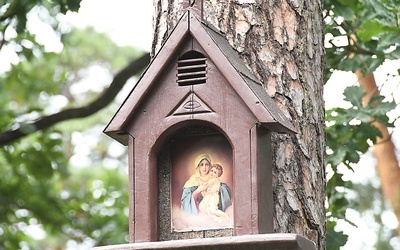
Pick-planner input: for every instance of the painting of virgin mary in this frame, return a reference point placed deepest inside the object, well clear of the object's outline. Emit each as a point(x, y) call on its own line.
point(201, 195)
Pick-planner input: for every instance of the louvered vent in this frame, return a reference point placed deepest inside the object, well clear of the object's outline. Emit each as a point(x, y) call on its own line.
point(192, 69)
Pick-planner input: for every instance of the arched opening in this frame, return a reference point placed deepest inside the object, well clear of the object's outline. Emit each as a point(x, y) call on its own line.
point(209, 215)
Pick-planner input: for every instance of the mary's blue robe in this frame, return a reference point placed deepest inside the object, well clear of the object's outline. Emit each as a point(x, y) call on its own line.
point(189, 204)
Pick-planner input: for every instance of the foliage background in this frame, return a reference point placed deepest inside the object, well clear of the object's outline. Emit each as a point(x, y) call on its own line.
point(64, 187)
point(360, 36)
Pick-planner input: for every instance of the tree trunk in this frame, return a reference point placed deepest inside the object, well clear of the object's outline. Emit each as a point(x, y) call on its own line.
point(282, 43)
point(387, 164)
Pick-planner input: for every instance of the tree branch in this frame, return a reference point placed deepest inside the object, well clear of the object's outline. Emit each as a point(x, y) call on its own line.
point(387, 164)
point(102, 101)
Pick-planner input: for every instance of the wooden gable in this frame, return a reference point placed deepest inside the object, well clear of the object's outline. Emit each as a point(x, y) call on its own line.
point(226, 73)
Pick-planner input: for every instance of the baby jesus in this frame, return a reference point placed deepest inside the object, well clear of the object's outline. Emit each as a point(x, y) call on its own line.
point(209, 203)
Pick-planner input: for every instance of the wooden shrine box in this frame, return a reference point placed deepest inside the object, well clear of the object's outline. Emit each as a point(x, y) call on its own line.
point(198, 100)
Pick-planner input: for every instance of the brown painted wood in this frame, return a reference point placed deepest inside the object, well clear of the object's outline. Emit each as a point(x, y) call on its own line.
point(265, 110)
point(255, 199)
point(232, 104)
point(249, 242)
point(131, 172)
point(121, 119)
point(264, 180)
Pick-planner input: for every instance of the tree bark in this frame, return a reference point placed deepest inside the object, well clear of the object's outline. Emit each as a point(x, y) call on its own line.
point(282, 43)
point(387, 164)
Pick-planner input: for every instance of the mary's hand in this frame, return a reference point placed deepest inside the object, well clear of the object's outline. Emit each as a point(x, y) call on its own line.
point(202, 187)
point(199, 189)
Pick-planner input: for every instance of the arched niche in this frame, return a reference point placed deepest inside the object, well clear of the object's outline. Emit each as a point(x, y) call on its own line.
point(175, 165)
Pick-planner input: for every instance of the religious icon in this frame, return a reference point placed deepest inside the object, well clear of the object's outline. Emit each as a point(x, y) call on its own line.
point(201, 183)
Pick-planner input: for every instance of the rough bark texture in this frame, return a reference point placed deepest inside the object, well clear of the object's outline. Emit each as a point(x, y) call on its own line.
point(282, 43)
point(387, 164)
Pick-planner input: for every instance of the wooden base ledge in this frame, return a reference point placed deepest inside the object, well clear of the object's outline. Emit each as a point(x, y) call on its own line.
point(249, 242)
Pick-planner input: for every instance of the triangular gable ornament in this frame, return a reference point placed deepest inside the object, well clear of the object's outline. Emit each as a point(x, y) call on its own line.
point(192, 104)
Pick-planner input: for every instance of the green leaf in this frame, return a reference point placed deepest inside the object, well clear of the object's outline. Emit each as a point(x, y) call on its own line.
point(353, 4)
point(395, 54)
point(352, 155)
point(354, 95)
point(346, 12)
point(337, 158)
point(381, 108)
point(387, 40)
point(365, 132)
point(74, 5)
point(334, 239)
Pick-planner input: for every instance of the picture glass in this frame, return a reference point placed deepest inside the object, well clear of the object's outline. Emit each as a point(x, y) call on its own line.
point(201, 183)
